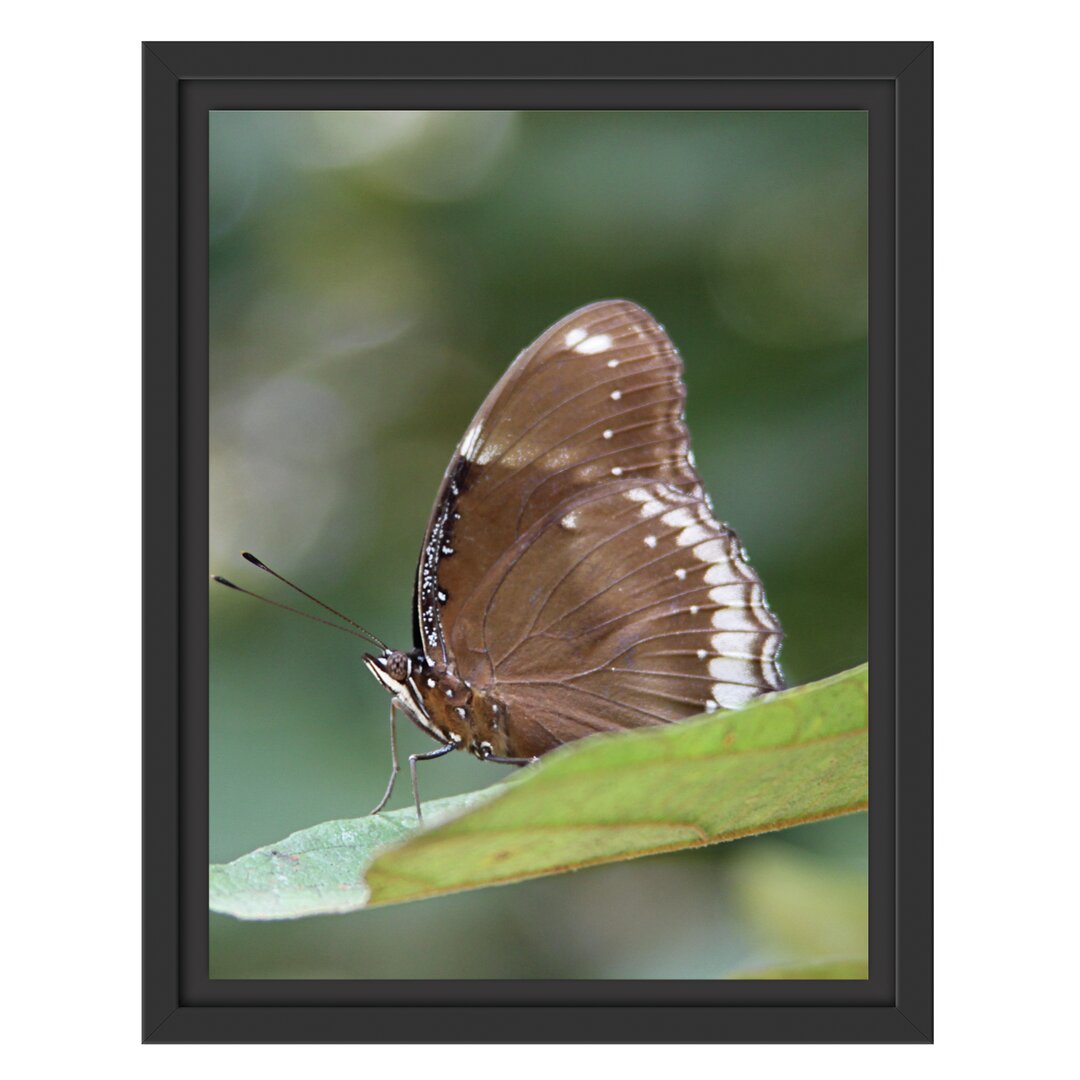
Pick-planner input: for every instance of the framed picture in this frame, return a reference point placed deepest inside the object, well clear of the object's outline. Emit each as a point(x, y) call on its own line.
point(650, 576)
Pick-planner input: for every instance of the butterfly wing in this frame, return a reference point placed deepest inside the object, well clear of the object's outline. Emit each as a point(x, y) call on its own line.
point(572, 561)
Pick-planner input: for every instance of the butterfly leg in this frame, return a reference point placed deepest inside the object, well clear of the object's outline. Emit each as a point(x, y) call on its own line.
point(510, 760)
point(396, 768)
point(429, 756)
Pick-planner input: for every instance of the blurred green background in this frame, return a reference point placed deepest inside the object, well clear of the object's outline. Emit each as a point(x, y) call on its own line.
point(372, 275)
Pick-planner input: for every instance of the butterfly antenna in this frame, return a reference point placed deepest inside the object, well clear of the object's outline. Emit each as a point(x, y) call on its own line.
point(296, 611)
point(326, 607)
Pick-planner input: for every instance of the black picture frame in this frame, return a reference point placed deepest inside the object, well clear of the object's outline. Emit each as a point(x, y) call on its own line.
point(181, 82)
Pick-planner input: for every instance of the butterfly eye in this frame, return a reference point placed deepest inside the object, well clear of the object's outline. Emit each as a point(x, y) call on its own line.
point(397, 666)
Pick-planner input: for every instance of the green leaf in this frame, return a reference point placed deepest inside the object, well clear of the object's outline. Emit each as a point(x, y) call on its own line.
point(786, 759)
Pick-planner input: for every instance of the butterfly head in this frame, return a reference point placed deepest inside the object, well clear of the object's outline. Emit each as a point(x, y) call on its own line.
point(392, 669)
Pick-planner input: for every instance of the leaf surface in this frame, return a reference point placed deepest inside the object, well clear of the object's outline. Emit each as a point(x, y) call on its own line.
point(785, 759)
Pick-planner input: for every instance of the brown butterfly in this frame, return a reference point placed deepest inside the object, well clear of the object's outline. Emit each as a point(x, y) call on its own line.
point(573, 578)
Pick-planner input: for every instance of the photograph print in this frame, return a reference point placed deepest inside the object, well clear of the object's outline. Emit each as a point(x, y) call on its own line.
point(549, 429)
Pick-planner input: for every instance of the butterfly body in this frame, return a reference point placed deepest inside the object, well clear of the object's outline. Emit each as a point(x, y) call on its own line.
point(444, 705)
point(573, 578)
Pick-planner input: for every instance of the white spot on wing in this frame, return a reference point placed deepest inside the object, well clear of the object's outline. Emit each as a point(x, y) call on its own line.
point(650, 541)
point(728, 669)
point(468, 444)
point(650, 507)
point(720, 574)
point(608, 433)
point(692, 534)
point(576, 336)
point(613, 363)
point(596, 343)
point(730, 696)
point(736, 646)
point(731, 618)
point(616, 394)
point(712, 551)
point(679, 518)
point(570, 521)
point(734, 596)
point(616, 471)
point(680, 574)
point(705, 514)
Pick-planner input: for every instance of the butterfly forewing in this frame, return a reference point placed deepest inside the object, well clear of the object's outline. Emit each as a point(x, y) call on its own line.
point(572, 562)
point(598, 393)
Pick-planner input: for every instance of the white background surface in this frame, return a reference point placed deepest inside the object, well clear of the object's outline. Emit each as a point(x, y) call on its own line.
point(1006, 579)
